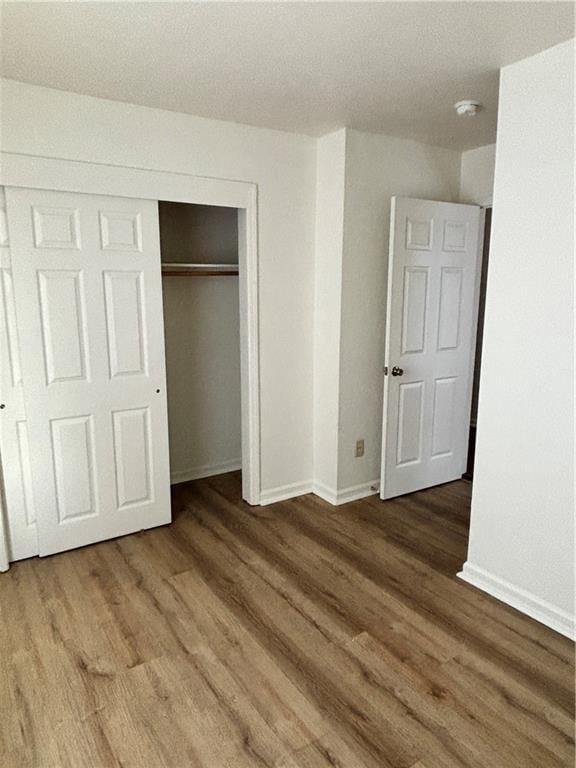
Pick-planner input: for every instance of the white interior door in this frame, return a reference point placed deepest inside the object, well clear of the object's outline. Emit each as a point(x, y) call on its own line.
point(87, 282)
point(432, 308)
point(20, 522)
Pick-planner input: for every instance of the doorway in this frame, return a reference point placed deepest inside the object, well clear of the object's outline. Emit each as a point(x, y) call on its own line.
point(199, 255)
point(468, 475)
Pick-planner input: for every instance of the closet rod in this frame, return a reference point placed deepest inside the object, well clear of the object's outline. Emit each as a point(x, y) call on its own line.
point(181, 269)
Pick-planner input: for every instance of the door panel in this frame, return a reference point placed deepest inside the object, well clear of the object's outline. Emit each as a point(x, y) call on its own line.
point(73, 453)
point(443, 416)
point(25, 478)
point(63, 319)
point(414, 309)
point(449, 309)
point(132, 456)
point(125, 319)
point(14, 442)
point(410, 423)
point(431, 311)
point(89, 306)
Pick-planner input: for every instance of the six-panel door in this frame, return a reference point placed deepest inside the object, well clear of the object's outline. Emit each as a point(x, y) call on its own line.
point(87, 282)
point(431, 317)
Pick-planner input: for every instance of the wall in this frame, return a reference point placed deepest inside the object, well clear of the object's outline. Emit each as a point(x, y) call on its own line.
point(477, 175)
point(203, 234)
point(201, 320)
point(522, 529)
point(41, 121)
point(377, 167)
point(330, 181)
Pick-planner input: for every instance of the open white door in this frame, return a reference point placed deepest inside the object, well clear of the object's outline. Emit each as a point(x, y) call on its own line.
point(87, 282)
point(432, 308)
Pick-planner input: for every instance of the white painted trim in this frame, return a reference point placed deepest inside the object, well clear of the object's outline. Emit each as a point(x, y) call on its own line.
point(346, 495)
point(284, 492)
point(353, 493)
point(324, 492)
point(249, 346)
point(35, 172)
point(206, 470)
point(541, 610)
point(388, 336)
point(22, 170)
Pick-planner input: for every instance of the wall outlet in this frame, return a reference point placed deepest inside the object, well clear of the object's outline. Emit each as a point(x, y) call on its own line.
point(359, 449)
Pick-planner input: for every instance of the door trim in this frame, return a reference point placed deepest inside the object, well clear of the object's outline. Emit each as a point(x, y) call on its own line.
point(36, 172)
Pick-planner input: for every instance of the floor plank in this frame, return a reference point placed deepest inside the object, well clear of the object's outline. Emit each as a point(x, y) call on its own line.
point(297, 635)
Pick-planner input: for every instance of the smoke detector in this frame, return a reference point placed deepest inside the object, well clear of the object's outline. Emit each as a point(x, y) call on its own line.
point(467, 107)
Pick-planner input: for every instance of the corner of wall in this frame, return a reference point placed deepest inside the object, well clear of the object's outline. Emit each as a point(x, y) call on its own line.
point(330, 189)
point(477, 169)
point(520, 599)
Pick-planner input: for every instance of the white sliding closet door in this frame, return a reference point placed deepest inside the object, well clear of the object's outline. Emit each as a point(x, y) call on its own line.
point(20, 521)
point(87, 282)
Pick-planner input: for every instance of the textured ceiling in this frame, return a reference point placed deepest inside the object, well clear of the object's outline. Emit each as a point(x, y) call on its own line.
point(389, 67)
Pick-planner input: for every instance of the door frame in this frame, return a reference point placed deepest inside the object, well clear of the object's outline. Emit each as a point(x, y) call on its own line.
point(37, 172)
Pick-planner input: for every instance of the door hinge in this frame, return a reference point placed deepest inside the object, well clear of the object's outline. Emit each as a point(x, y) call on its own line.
point(385, 370)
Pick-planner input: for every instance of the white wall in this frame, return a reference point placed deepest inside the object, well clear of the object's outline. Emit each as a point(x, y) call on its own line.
point(52, 123)
point(330, 187)
point(522, 530)
point(201, 320)
point(477, 175)
point(377, 167)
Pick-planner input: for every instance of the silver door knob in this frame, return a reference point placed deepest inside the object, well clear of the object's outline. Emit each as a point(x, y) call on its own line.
point(397, 371)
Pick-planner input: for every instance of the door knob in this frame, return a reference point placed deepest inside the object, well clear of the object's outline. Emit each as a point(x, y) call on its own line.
point(397, 371)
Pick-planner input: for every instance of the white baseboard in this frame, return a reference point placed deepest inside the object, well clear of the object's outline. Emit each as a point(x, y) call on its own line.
point(283, 492)
point(352, 493)
point(541, 610)
point(207, 470)
point(324, 492)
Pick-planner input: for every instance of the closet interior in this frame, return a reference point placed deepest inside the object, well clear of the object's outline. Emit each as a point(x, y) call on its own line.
point(199, 254)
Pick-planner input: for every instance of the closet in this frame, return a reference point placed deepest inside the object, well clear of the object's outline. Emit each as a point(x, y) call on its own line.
point(84, 431)
point(199, 248)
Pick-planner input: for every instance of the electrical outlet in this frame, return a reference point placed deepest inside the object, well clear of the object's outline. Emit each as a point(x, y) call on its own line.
point(359, 449)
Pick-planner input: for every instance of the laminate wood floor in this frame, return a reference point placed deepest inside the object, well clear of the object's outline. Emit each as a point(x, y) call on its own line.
point(296, 635)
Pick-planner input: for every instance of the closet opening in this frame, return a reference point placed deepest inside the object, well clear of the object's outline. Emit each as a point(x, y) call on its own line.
point(199, 247)
point(104, 473)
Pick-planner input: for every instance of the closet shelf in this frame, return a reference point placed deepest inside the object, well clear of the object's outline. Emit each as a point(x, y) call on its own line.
point(180, 269)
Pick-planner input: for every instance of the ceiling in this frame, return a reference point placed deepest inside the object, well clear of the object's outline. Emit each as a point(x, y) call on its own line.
point(390, 67)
